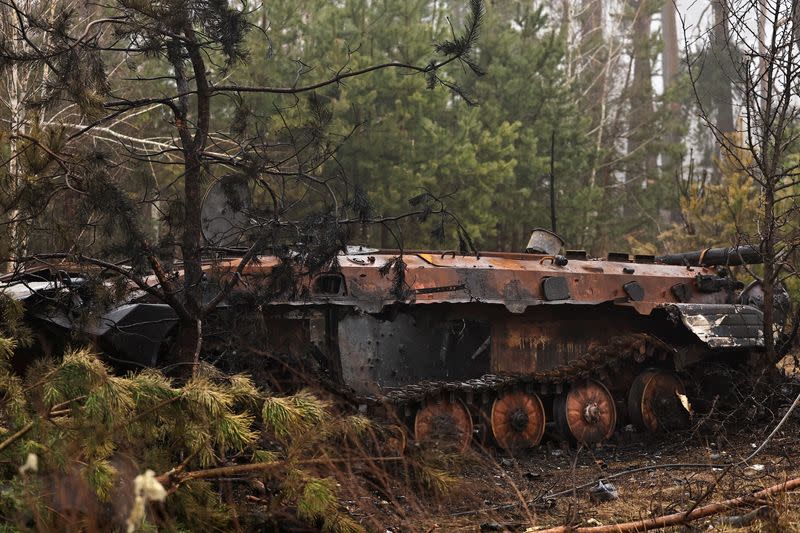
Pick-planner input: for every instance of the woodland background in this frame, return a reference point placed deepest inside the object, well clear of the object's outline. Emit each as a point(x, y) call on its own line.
point(393, 123)
point(600, 88)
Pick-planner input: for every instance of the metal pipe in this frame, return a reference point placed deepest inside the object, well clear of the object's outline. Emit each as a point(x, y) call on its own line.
point(740, 255)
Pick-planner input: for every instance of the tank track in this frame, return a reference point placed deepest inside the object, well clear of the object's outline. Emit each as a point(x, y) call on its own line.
point(599, 362)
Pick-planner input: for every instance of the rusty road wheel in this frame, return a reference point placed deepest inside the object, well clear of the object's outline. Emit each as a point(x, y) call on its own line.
point(653, 401)
point(586, 412)
point(517, 420)
point(444, 423)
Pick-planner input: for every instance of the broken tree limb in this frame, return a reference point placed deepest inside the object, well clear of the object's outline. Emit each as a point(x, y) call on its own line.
point(765, 512)
point(175, 477)
point(5, 444)
point(677, 519)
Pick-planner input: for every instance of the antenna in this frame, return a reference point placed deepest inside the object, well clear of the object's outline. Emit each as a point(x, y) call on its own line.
point(553, 182)
point(223, 216)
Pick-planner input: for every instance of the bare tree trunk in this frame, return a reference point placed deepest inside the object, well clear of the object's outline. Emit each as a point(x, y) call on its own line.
point(192, 147)
point(724, 106)
point(17, 243)
point(768, 253)
point(669, 31)
point(594, 69)
point(669, 73)
point(592, 56)
point(23, 82)
point(641, 94)
point(642, 165)
point(593, 60)
point(565, 28)
point(762, 46)
point(15, 85)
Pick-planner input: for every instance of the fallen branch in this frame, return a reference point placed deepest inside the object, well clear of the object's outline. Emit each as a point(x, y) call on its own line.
point(553, 495)
point(10, 440)
point(677, 519)
point(176, 477)
point(765, 512)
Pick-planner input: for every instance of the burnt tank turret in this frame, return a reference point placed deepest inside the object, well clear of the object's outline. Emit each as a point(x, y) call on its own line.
point(503, 342)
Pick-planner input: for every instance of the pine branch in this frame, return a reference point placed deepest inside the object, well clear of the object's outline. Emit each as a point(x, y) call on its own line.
point(10, 440)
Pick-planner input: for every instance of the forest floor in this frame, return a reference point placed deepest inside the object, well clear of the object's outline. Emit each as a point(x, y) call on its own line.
point(496, 492)
point(644, 494)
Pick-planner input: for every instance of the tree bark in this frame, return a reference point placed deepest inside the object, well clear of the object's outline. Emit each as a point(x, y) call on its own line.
point(592, 64)
point(14, 99)
point(670, 165)
point(768, 253)
point(642, 159)
point(669, 31)
point(724, 104)
point(192, 148)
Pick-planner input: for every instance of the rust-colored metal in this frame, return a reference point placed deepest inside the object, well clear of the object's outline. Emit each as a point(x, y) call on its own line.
point(444, 423)
point(653, 401)
point(550, 337)
point(396, 327)
point(518, 420)
point(586, 412)
point(512, 280)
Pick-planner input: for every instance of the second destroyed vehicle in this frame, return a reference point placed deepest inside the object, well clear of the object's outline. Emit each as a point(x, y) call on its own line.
point(493, 344)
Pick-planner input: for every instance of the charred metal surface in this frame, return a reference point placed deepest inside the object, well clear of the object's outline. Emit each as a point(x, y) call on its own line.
point(544, 241)
point(398, 332)
point(447, 288)
point(450, 318)
point(132, 332)
point(634, 291)
point(753, 295)
point(634, 348)
point(415, 346)
point(721, 325)
point(555, 288)
point(682, 291)
point(516, 281)
point(717, 282)
point(741, 255)
point(293, 335)
point(580, 255)
point(540, 341)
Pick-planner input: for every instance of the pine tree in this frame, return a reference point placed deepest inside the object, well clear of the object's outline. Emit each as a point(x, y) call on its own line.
point(87, 433)
point(182, 63)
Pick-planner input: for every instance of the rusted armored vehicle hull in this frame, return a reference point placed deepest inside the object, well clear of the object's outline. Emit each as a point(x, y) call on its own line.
point(500, 342)
point(448, 367)
point(513, 341)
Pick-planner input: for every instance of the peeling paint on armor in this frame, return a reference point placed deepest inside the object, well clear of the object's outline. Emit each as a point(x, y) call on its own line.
point(723, 325)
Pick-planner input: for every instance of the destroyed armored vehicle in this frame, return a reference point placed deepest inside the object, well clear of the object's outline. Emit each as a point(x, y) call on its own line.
point(494, 344)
